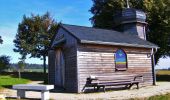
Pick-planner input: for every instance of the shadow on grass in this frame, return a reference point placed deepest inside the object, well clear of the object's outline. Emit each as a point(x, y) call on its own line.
point(13, 98)
point(7, 86)
point(163, 78)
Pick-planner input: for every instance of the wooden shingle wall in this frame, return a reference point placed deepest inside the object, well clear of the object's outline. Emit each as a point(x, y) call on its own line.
point(51, 66)
point(99, 60)
point(69, 49)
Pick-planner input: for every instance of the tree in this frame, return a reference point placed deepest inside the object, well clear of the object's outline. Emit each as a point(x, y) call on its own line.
point(34, 36)
point(158, 19)
point(4, 62)
point(21, 65)
point(1, 40)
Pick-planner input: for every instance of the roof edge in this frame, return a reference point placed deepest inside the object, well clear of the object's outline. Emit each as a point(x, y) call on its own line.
point(61, 25)
point(116, 44)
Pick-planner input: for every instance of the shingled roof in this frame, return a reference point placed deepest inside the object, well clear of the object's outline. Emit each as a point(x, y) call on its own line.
point(106, 37)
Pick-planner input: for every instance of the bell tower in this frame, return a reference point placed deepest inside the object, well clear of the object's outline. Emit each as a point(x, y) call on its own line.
point(131, 21)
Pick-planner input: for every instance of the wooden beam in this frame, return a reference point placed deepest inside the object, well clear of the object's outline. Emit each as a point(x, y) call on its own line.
point(153, 70)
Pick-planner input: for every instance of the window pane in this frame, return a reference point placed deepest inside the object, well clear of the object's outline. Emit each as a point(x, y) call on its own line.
point(120, 59)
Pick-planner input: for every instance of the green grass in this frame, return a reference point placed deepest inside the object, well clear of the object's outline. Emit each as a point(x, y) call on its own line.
point(160, 97)
point(8, 81)
point(157, 97)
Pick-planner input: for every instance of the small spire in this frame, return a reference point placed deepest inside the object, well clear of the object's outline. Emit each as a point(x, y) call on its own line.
point(127, 3)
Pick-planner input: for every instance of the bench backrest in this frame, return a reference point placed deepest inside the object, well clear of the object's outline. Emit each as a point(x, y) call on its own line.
point(115, 77)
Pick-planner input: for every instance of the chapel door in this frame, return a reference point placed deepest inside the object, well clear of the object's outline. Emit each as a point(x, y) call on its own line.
point(59, 69)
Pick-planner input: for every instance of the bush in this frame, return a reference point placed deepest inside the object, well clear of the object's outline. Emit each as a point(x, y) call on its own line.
point(4, 62)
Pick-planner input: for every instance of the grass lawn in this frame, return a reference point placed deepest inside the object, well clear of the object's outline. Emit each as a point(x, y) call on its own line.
point(160, 97)
point(8, 81)
point(157, 97)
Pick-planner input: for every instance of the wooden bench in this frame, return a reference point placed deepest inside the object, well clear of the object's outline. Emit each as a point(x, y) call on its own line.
point(109, 81)
point(21, 88)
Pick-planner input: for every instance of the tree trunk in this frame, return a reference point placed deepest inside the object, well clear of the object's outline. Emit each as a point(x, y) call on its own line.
point(44, 64)
point(44, 58)
point(19, 73)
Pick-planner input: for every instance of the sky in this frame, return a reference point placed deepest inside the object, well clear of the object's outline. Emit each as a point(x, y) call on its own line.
point(74, 12)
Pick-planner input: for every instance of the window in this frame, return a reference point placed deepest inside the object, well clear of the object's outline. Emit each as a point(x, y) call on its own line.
point(120, 60)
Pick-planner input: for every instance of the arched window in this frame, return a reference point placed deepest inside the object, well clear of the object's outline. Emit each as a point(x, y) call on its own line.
point(120, 60)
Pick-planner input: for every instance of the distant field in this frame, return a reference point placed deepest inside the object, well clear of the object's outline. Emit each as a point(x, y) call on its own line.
point(34, 70)
point(163, 72)
point(28, 70)
point(163, 75)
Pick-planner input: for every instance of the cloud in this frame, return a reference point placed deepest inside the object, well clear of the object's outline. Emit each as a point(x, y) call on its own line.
point(163, 63)
point(8, 33)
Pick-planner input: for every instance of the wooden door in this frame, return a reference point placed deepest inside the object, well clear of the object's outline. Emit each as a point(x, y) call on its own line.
point(59, 69)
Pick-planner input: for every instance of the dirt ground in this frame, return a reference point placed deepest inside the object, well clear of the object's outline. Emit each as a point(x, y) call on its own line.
point(160, 88)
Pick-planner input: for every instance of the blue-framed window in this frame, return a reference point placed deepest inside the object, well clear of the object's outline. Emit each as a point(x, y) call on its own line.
point(120, 60)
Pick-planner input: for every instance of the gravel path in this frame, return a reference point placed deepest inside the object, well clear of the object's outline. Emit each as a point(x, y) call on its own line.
point(160, 88)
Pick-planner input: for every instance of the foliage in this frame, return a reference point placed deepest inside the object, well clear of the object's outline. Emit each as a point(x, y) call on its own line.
point(158, 19)
point(34, 36)
point(4, 62)
point(32, 76)
point(1, 40)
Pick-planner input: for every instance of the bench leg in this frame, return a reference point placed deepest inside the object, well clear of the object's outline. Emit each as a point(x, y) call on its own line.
point(130, 86)
point(45, 95)
point(83, 88)
point(104, 89)
point(94, 88)
point(20, 93)
point(126, 86)
point(137, 84)
point(98, 87)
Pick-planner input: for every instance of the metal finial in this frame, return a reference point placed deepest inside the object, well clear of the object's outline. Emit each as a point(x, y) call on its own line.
point(127, 3)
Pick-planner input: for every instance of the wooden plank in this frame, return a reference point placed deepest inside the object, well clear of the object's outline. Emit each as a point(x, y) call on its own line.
point(98, 60)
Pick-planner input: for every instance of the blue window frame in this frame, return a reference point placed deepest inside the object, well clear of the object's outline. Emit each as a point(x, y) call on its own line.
point(120, 60)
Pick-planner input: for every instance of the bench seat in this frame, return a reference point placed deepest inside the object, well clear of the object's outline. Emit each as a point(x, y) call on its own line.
point(128, 84)
point(21, 88)
point(33, 87)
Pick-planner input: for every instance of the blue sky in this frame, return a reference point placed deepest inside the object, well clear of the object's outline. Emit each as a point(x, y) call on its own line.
point(11, 13)
point(67, 11)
